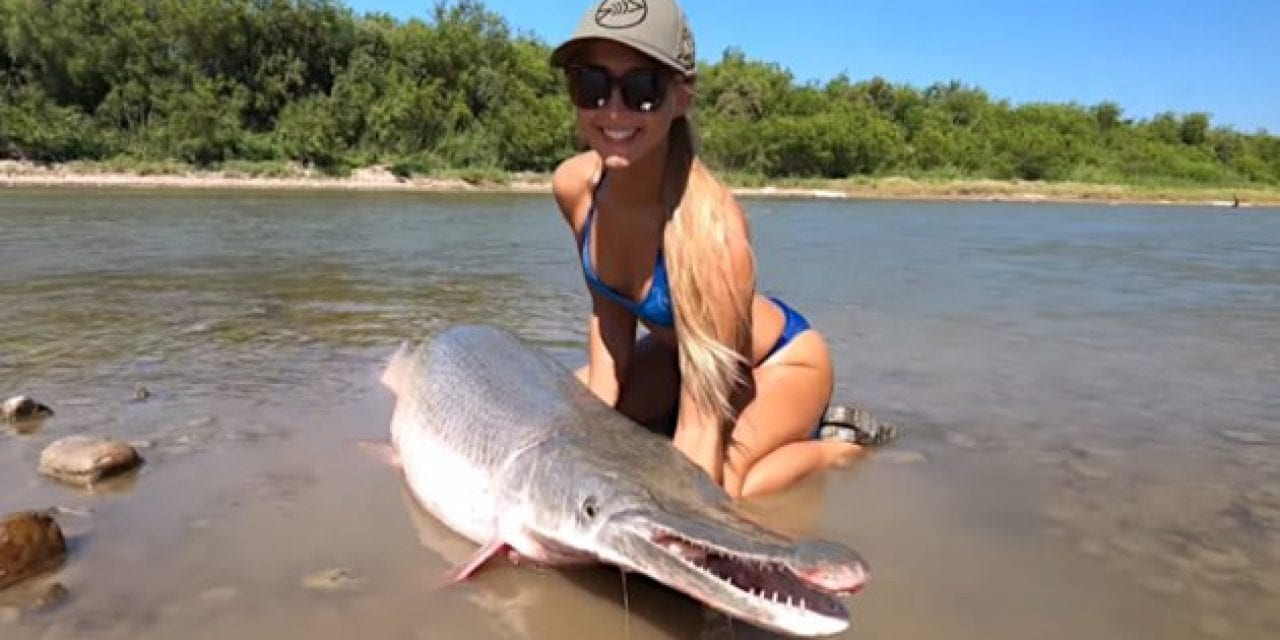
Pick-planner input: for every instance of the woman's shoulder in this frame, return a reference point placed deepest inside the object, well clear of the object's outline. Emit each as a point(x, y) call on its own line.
point(572, 183)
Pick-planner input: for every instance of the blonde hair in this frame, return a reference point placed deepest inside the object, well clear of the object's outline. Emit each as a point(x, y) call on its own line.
point(712, 347)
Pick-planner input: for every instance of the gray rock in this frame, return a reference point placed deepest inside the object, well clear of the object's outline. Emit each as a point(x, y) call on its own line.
point(49, 598)
point(1216, 626)
point(204, 326)
point(84, 460)
point(30, 543)
point(1087, 471)
point(200, 422)
point(20, 408)
point(900, 457)
point(338, 579)
point(962, 440)
point(1163, 586)
point(1093, 548)
point(1228, 559)
point(218, 595)
point(1245, 437)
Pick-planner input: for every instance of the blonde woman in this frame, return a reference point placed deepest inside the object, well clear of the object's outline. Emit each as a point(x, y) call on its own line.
point(663, 243)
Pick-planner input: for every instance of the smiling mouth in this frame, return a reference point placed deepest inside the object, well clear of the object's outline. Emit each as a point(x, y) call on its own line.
point(620, 135)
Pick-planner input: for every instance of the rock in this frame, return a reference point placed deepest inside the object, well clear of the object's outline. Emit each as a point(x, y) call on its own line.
point(1222, 560)
point(1163, 586)
point(20, 408)
point(962, 440)
point(84, 460)
point(1093, 548)
point(199, 423)
point(1087, 471)
point(141, 394)
point(49, 598)
point(1245, 437)
point(1216, 626)
point(218, 595)
point(204, 326)
point(900, 457)
point(30, 543)
point(339, 579)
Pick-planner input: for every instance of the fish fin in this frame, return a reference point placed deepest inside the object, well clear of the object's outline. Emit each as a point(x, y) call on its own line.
point(380, 451)
point(397, 367)
point(490, 549)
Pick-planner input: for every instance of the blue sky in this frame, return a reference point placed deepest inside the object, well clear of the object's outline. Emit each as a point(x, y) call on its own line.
point(1147, 55)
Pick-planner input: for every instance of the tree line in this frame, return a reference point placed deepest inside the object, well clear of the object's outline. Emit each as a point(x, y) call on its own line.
point(211, 81)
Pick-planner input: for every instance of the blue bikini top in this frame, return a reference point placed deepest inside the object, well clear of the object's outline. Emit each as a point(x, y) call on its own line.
point(656, 306)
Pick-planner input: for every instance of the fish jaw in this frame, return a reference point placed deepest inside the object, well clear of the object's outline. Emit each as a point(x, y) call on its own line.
point(796, 588)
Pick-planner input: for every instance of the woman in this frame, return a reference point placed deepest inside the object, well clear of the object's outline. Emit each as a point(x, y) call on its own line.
point(662, 242)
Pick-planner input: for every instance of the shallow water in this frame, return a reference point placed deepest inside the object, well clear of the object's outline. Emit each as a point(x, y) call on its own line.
point(1094, 390)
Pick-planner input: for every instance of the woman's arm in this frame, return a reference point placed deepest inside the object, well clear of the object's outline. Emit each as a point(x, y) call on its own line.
point(610, 328)
point(611, 332)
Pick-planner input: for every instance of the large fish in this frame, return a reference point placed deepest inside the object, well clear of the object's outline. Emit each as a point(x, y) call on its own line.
point(506, 447)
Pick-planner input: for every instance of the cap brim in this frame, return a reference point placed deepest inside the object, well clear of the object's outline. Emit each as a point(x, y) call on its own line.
point(564, 53)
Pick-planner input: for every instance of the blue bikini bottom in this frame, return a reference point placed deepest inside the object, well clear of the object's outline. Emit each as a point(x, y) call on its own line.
point(794, 325)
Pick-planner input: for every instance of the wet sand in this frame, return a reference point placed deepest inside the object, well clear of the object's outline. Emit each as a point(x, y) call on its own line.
point(380, 179)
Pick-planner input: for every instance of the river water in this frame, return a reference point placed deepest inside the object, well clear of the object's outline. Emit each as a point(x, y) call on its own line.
point(1091, 397)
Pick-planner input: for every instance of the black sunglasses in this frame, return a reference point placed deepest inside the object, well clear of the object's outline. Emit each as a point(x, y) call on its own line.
point(642, 89)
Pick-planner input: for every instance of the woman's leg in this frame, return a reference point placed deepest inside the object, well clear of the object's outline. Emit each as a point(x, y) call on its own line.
point(772, 444)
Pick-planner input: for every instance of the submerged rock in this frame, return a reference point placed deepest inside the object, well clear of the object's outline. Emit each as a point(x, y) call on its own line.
point(901, 457)
point(48, 598)
point(962, 440)
point(30, 543)
point(1244, 437)
point(84, 460)
point(1216, 626)
point(337, 579)
point(19, 408)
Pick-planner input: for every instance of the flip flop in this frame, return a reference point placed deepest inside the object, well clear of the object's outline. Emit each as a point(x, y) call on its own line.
point(851, 423)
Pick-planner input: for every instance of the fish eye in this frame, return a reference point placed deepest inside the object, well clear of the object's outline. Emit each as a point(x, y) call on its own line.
point(591, 507)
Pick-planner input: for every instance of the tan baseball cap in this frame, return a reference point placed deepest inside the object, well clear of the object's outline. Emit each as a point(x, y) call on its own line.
point(656, 28)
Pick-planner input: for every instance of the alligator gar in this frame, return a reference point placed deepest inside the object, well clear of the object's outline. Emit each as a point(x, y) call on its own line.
point(504, 445)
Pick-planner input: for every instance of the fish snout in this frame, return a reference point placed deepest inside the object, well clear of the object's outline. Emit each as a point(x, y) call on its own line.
point(843, 579)
point(831, 566)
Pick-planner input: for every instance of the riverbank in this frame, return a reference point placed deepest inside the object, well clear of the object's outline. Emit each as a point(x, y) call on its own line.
point(380, 178)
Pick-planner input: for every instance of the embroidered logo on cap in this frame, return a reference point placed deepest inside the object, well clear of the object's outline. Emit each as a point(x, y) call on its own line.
point(685, 53)
point(621, 14)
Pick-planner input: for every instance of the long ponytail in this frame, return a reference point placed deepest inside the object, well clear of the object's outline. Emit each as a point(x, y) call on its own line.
point(712, 349)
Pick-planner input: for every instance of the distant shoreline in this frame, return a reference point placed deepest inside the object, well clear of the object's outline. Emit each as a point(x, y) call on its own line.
point(380, 179)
